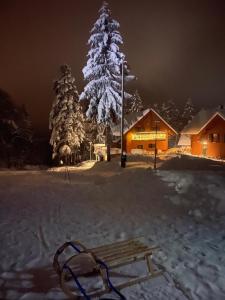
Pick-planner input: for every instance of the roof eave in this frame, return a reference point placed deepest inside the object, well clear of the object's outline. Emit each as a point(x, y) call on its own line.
point(210, 119)
point(206, 123)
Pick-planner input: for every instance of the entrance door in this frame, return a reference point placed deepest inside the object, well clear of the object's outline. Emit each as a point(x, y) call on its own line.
point(172, 141)
point(204, 149)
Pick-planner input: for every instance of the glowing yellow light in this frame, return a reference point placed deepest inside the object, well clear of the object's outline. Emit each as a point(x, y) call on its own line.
point(148, 136)
point(99, 148)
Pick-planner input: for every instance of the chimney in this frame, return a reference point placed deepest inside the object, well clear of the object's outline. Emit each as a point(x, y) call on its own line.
point(221, 106)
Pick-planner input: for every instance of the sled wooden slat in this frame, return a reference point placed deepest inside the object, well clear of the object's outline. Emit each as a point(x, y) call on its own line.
point(119, 250)
point(133, 259)
point(108, 251)
point(116, 244)
point(124, 255)
point(114, 255)
point(120, 247)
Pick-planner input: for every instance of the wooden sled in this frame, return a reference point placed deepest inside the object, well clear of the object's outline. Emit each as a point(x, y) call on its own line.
point(113, 255)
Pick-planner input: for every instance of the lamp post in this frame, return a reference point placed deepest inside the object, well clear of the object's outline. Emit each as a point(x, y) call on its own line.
point(156, 131)
point(90, 150)
point(122, 162)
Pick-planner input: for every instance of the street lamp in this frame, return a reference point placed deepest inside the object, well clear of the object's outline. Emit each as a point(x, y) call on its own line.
point(122, 157)
point(90, 150)
point(156, 131)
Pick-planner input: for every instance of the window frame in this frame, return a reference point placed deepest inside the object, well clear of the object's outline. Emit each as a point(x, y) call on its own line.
point(151, 146)
point(215, 137)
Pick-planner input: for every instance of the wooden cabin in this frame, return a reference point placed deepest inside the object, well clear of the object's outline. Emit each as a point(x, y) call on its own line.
point(207, 134)
point(147, 131)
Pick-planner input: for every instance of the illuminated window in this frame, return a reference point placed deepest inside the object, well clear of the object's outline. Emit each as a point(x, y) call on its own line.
point(216, 137)
point(139, 146)
point(211, 137)
point(152, 146)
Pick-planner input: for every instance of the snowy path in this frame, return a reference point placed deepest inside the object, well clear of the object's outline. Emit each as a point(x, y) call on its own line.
point(40, 210)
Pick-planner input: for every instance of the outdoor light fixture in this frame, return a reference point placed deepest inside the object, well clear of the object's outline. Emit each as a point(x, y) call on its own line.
point(149, 136)
point(90, 149)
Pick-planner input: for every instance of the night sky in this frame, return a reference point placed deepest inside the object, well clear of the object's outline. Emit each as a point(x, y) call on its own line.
point(175, 48)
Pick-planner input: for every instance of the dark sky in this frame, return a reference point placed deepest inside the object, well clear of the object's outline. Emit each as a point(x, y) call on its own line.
point(176, 48)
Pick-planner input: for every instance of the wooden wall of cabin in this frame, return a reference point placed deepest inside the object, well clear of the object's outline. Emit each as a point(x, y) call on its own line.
point(201, 143)
point(147, 124)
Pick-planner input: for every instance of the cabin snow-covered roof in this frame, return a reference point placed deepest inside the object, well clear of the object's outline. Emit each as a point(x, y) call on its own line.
point(133, 118)
point(129, 119)
point(201, 120)
point(184, 140)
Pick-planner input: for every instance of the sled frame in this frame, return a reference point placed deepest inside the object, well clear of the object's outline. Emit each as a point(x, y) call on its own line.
point(115, 255)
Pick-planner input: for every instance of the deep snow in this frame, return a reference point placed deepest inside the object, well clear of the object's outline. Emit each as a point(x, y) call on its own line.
point(180, 207)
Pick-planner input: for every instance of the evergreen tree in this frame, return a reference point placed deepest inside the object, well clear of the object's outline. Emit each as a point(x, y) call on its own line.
point(136, 103)
point(24, 130)
point(164, 110)
point(170, 112)
point(188, 112)
point(7, 118)
point(7, 127)
point(66, 120)
point(15, 132)
point(156, 107)
point(126, 106)
point(103, 72)
point(90, 131)
point(22, 136)
point(173, 114)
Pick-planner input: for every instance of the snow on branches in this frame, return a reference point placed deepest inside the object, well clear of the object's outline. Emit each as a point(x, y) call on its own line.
point(175, 116)
point(136, 103)
point(66, 120)
point(189, 111)
point(103, 70)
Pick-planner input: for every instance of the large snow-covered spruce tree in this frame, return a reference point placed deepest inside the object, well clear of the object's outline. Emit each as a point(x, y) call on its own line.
point(103, 73)
point(66, 120)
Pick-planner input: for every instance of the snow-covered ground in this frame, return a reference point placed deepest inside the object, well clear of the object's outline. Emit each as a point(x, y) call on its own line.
point(180, 207)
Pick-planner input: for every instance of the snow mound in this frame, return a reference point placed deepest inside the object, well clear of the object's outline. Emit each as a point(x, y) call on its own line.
point(86, 165)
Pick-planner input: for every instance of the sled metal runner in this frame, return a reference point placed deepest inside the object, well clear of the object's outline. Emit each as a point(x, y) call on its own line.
point(113, 255)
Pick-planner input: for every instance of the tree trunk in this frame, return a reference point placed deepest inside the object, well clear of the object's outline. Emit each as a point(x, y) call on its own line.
point(108, 142)
point(72, 160)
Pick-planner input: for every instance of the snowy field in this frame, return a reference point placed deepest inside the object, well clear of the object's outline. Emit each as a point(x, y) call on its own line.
point(180, 207)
